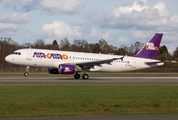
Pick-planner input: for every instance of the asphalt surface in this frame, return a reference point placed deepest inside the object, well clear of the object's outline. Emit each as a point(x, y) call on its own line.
point(92, 80)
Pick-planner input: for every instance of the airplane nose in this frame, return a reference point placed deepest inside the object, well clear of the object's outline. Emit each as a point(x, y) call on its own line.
point(7, 58)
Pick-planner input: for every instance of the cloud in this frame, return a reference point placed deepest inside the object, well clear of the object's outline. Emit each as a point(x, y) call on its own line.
point(59, 29)
point(90, 14)
point(9, 30)
point(142, 22)
point(136, 15)
point(14, 18)
point(10, 24)
point(62, 6)
point(123, 40)
point(25, 1)
point(98, 35)
point(7, 26)
point(50, 6)
point(134, 6)
point(174, 19)
point(142, 35)
point(5, 1)
point(162, 9)
point(10, 1)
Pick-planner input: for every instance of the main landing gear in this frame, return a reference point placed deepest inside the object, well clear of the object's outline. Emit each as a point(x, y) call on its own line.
point(84, 76)
point(77, 76)
point(26, 71)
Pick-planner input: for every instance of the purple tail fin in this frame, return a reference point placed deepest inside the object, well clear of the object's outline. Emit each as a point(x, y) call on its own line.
point(150, 49)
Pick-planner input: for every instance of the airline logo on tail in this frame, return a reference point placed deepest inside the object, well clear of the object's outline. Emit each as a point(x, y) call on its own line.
point(151, 46)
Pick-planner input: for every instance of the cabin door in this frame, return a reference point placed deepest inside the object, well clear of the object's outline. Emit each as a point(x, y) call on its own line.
point(29, 54)
point(133, 63)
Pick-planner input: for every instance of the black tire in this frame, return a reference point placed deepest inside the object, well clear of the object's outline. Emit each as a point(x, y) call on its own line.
point(85, 76)
point(77, 76)
point(26, 74)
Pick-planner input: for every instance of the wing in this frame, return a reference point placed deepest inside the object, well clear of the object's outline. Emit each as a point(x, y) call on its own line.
point(91, 64)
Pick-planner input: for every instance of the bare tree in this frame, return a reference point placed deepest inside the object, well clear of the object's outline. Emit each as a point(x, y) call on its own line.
point(96, 48)
point(39, 44)
point(105, 48)
point(65, 45)
point(138, 46)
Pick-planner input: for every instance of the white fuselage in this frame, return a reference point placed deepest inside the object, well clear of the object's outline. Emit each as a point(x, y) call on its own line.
point(41, 58)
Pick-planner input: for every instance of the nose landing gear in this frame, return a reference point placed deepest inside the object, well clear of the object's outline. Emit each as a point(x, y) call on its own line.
point(26, 71)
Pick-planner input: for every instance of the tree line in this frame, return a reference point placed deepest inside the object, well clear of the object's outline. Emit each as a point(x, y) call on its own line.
point(7, 46)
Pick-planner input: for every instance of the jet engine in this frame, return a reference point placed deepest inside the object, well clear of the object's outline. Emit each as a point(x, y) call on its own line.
point(63, 69)
point(53, 71)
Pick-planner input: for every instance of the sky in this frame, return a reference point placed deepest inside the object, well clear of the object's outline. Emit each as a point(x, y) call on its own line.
point(118, 22)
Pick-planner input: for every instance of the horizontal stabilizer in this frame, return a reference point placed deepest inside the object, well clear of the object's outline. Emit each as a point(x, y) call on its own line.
point(154, 63)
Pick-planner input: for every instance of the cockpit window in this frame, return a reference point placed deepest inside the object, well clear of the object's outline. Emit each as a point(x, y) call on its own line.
point(16, 53)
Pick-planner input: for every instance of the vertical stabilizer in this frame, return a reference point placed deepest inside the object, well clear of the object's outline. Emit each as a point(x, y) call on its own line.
point(150, 49)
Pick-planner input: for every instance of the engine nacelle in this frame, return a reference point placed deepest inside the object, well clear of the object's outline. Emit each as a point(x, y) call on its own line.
point(63, 69)
point(66, 69)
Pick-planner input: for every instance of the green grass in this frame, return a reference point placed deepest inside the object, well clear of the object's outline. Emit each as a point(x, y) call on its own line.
point(35, 100)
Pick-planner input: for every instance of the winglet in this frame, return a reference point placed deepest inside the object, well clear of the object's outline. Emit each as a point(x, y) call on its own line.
point(122, 58)
point(150, 49)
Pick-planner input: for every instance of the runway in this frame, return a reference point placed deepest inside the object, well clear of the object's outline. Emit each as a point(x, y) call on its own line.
point(92, 80)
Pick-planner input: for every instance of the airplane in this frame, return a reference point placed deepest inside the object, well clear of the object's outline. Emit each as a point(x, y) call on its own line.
point(65, 62)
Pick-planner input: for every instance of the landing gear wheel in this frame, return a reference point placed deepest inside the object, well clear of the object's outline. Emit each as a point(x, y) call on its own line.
point(77, 76)
point(85, 76)
point(25, 74)
point(26, 71)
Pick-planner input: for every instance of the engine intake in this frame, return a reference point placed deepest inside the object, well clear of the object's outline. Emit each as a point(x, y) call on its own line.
point(53, 71)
